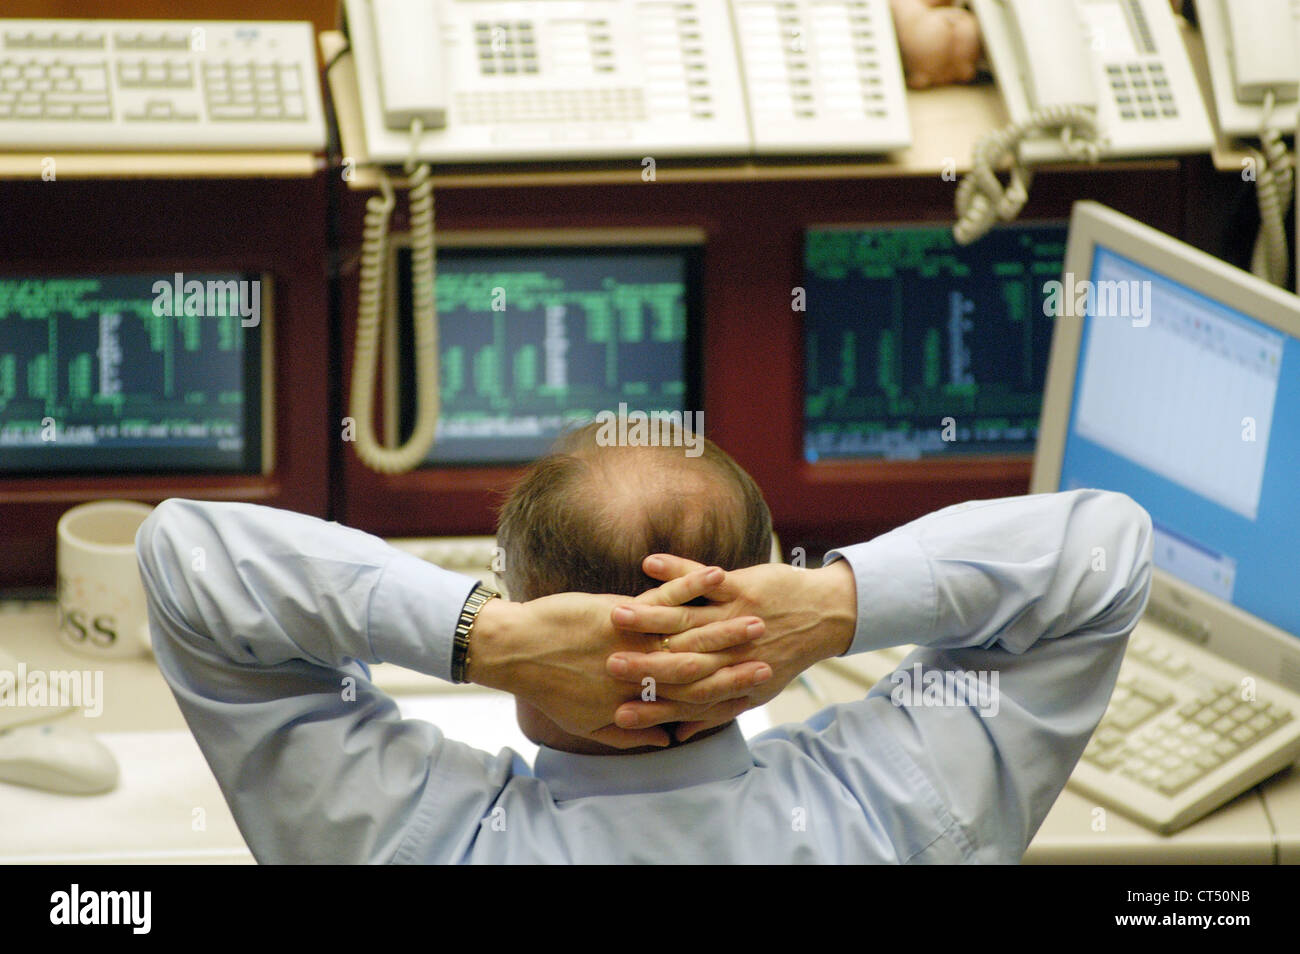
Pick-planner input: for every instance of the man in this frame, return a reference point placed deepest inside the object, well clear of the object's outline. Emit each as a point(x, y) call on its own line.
point(259, 645)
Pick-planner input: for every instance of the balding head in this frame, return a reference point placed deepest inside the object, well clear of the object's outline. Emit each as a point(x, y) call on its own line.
point(584, 517)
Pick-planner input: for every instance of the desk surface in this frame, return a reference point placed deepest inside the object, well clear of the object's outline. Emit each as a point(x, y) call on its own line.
point(168, 807)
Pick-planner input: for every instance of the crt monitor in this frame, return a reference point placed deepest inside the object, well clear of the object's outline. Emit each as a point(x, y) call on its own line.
point(536, 338)
point(1175, 378)
point(916, 347)
point(128, 372)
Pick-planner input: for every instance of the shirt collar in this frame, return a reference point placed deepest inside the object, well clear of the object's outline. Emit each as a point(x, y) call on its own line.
point(720, 756)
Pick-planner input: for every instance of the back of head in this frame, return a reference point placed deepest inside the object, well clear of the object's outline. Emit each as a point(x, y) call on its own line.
point(585, 516)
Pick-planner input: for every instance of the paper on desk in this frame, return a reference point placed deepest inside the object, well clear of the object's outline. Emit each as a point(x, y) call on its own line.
point(166, 808)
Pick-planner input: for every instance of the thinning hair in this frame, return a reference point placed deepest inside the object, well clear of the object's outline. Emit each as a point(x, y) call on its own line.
point(585, 516)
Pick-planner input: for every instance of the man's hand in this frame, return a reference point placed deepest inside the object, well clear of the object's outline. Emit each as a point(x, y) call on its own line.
point(551, 652)
point(809, 615)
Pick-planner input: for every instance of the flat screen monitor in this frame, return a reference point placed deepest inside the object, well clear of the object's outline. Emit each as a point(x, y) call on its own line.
point(145, 373)
point(535, 339)
point(916, 347)
point(1175, 379)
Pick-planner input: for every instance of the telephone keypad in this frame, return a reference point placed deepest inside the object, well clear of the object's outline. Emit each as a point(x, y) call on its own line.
point(1141, 91)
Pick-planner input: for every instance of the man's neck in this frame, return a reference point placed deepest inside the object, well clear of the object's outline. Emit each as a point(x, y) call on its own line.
point(543, 731)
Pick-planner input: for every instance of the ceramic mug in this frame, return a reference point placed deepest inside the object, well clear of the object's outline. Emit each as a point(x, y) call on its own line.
point(101, 598)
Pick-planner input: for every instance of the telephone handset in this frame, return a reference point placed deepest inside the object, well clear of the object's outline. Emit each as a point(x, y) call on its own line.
point(1252, 49)
point(408, 39)
point(1081, 79)
point(1253, 52)
point(1053, 74)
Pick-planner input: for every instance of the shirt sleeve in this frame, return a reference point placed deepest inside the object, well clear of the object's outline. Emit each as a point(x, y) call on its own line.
point(260, 618)
point(1021, 608)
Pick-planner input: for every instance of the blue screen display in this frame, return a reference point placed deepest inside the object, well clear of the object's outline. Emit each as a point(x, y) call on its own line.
point(1192, 408)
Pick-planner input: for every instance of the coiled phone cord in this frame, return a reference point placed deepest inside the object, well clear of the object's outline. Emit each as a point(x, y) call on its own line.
point(370, 309)
point(981, 199)
point(1274, 179)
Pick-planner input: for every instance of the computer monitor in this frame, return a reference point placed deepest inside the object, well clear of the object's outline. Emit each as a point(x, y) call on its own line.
point(916, 347)
point(538, 329)
point(1175, 378)
point(135, 372)
point(537, 338)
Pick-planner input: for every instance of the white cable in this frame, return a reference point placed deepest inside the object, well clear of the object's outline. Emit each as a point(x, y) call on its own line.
point(1274, 178)
point(370, 312)
point(981, 199)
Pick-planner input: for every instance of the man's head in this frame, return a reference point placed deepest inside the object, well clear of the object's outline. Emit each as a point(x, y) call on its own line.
point(584, 518)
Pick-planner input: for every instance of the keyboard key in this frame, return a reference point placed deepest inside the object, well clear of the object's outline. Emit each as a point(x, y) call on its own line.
point(1225, 748)
point(1176, 780)
point(1207, 759)
point(1109, 737)
point(1107, 760)
point(1154, 692)
point(1261, 723)
point(1206, 717)
point(1224, 726)
point(1243, 713)
point(1243, 734)
point(1225, 705)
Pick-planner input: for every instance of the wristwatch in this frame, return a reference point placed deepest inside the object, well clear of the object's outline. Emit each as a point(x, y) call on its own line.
point(464, 626)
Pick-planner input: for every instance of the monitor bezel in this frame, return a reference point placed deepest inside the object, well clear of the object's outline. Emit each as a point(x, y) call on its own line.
point(1227, 630)
point(259, 421)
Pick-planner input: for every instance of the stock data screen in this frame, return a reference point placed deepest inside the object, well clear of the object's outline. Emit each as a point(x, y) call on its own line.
point(534, 341)
point(918, 347)
point(130, 373)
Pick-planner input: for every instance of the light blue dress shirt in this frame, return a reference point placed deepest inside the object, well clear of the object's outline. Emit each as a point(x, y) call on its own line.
point(260, 617)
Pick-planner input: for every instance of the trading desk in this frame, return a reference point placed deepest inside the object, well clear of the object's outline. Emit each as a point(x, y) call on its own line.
point(168, 808)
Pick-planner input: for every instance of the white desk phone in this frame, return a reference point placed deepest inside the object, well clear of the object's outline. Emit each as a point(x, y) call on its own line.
point(1093, 79)
point(1120, 62)
point(503, 80)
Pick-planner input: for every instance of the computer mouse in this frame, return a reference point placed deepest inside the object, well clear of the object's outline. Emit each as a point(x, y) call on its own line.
point(57, 758)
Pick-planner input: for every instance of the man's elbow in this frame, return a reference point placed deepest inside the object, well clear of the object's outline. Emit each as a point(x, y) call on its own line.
point(1131, 541)
point(159, 550)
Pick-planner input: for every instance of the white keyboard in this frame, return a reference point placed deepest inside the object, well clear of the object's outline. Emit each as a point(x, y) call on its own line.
point(159, 84)
point(1179, 738)
point(1185, 732)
